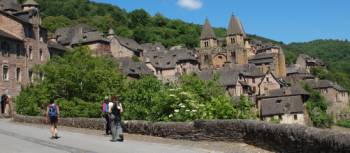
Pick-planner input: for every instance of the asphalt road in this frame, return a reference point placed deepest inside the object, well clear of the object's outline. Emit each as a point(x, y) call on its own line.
point(19, 138)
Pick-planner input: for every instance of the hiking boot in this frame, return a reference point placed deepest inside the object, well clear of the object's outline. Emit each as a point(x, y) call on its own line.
point(113, 140)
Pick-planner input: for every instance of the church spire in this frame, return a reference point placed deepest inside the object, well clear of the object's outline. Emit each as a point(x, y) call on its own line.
point(207, 32)
point(235, 27)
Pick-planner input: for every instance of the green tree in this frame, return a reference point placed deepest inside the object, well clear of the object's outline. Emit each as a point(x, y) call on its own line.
point(317, 108)
point(80, 83)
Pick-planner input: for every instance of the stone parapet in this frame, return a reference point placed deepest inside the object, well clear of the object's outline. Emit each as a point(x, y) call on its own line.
point(284, 138)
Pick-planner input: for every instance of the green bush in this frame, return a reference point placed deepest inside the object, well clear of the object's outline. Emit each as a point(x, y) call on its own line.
point(344, 123)
point(317, 108)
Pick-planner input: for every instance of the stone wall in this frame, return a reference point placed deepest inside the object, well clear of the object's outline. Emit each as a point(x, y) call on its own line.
point(276, 137)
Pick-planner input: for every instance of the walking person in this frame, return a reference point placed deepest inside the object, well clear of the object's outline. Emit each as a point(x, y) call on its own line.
point(52, 116)
point(115, 115)
point(105, 114)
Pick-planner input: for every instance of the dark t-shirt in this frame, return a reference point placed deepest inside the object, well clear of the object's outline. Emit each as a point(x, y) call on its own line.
point(116, 112)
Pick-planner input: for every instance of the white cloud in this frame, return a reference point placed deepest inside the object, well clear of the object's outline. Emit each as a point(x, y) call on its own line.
point(190, 4)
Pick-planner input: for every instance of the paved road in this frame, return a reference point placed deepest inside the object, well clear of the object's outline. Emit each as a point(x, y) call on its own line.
point(19, 138)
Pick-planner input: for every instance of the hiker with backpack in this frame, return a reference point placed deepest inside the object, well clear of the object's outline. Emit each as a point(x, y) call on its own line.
point(105, 110)
point(52, 115)
point(115, 115)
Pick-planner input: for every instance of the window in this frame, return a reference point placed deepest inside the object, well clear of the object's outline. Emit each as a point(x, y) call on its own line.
point(41, 54)
point(41, 75)
point(280, 117)
point(206, 58)
point(206, 44)
point(18, 75)
point(295, 117)
point(278, 101)
point(30, 53)
point(18, 50)
point(253, 80)
point(233, 40)
point(5, 72)
point(31, 78)
point(254, 89)
point(267, 79)
point(5, 48)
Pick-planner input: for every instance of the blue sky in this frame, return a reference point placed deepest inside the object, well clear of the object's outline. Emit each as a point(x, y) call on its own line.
point(282, 20)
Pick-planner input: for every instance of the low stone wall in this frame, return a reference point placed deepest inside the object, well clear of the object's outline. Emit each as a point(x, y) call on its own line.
point(275, 137)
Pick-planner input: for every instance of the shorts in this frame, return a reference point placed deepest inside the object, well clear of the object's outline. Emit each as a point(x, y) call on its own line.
point(53, 120)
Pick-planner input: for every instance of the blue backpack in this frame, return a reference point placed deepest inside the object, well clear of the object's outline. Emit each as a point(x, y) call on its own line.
point(53, 111)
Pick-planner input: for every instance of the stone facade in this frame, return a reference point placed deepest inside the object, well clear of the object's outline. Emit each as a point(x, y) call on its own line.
point(268, 82)
point(336, 96)
point(23, 44)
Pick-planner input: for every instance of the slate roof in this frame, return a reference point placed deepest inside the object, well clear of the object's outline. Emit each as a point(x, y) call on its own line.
point(130, 44)
point(287, 91)
point(30, 3)
point(249, 70)
point(321, 84)
point(293, 69)
point(310, 59)
point(57, 46)
point(10, 5)
point(226, 77)
point(78, 34)
point(262, 58)
point(26, 15)
point(165, 59)
point(207, 32)
point(281, 105)
point(150, 47)
point(9, 35)
point(235, 27)
point(132, 68)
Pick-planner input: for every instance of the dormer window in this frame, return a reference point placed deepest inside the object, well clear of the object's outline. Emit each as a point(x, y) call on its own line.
point(278, 101)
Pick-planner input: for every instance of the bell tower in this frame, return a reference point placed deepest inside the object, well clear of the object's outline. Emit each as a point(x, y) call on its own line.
point(208, 37)
point(235, 33)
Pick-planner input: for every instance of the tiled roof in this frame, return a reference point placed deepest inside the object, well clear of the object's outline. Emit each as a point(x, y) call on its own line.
point(10, 5)
point(165, 59)
point(78, 34)
point(30, 3)
point(132, 68)
point(281, 105)
point(235, 27)
point(207, 31)
point(319, 84)
point(130, 44)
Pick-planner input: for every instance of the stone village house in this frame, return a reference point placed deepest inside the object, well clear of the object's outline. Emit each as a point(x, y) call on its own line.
point(23, 44)
point(285, 105)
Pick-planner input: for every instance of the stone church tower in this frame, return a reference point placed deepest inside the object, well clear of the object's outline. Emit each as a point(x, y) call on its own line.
point(235, 38)
point(235, 33)
point(208, 38)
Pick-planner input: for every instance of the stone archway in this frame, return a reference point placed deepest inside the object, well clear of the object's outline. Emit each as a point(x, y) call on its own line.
point(219, 60)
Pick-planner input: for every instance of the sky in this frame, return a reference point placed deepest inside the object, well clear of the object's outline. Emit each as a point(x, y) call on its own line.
point(281, 20)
